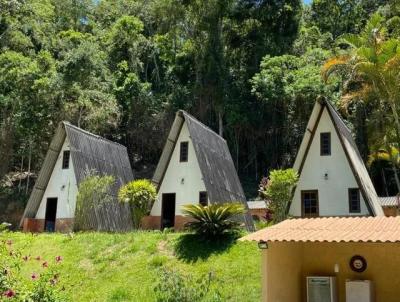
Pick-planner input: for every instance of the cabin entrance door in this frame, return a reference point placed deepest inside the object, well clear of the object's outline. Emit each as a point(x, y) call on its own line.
point(168, 210)
point(51, 212)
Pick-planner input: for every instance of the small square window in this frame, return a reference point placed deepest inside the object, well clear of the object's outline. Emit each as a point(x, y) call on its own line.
point(354, 200)
point(203, 198)
point(65, 160)
point(325, 143)
point(184, 152)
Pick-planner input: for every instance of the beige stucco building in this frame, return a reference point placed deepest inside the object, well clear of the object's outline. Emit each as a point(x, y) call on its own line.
point(331, 247)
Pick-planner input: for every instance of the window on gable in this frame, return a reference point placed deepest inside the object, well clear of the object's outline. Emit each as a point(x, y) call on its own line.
point(325, 143)
point(354, 200)
point(184, 152)
point(309, 202)
point(203, 198)
point(65, 159)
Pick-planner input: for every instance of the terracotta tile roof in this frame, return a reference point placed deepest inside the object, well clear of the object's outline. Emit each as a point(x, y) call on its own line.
point(331, 229)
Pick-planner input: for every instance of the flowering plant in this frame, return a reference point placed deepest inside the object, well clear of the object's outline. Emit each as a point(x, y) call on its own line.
point(39, 286)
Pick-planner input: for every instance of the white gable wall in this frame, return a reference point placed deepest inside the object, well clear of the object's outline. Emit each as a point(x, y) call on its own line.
point(62, 185)
point(333, 192)
point(188, 191)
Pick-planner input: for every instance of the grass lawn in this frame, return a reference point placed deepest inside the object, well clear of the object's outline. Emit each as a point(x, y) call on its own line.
point(125, 267)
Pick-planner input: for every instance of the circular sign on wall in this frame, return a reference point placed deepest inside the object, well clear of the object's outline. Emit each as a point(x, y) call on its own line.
point(358, 263)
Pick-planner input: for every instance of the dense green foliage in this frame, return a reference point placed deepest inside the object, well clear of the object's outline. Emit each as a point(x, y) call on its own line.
point(126, 267)
point(140, 194)
point(122, 69)
point(213, 220)
point(93, 192)
point(277, 190)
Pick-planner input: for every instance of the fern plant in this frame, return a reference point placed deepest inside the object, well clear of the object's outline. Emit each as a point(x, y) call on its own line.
point(213, 220)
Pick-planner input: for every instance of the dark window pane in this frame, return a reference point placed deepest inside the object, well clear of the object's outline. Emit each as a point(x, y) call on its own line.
point(354, 200)
point(203, 198)
point(325, 143)
point(184, 151)
point(310, 203)
point(65, 160)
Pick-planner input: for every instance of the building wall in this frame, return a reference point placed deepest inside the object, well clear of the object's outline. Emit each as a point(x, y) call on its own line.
point(281, 273)
point(62, 185)
point(188, 191)
point(285, 260)
point(333, 192)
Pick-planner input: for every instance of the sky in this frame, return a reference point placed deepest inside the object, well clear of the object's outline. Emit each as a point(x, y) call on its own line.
point(307, 1)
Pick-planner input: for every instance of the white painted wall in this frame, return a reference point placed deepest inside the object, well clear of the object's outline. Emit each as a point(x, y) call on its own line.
point(188, 191)
point(62, 185)
point(332, 193)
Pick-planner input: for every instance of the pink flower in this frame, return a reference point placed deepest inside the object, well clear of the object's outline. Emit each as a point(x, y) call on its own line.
point(9, 242)
point(58, 259)
point(38, 258)
point(25, 258)
point(9, 293)
point(34, 276)
point(45, 264)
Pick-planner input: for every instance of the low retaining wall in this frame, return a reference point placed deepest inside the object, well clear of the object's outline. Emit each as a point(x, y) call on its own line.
point(63, 225)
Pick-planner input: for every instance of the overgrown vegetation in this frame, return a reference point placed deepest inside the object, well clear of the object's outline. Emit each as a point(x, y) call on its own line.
point(277, 190)
point(127, 267)
point(214, 220)
point(43, 284)
point(140, 195)
point(93, 193)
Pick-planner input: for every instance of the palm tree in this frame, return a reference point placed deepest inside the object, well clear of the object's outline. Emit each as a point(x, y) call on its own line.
point(372, 61)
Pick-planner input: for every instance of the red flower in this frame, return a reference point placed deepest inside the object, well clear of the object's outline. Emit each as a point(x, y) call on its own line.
point(34, 276)
point(9, 293)
point(38, 258)
point(58, 259)
point(45, 264)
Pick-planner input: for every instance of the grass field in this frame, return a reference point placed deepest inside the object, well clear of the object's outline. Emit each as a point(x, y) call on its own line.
point(125, 267)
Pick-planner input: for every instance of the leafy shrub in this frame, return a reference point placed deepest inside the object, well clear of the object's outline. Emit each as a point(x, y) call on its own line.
point(172, 286)
point(40, 287)
point(213, 220)
point(93, 192)
point(140, 195)
point(277, 189)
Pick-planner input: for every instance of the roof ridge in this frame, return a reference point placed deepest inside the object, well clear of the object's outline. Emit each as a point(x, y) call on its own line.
point(66, 123)
point(185, 113)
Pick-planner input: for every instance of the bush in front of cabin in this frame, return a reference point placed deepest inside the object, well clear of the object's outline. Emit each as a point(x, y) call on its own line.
point(94, 191)
point(214, 220)
point(277, 190)
point(140, 195)
point(42, 285)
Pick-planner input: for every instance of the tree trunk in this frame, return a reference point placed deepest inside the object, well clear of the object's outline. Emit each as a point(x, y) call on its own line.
point(6, 145)
point(220, 124)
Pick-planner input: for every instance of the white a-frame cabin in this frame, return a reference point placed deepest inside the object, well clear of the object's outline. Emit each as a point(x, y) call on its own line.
point(195, 167)
point(333, 178)
point(72, 153)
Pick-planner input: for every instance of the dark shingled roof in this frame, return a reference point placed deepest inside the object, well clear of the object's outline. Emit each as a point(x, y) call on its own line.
point(218, 170)
point(350, 148)
point(89, 152)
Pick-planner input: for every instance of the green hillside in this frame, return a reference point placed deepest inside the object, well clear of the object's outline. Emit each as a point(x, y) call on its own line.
point(126, 267)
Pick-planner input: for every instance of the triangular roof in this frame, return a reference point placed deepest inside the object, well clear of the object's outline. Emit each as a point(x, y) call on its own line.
point(215, 161)
point(350, 148)
point(88, 152)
